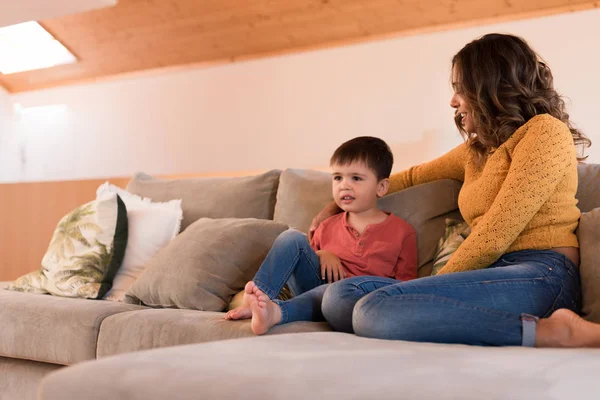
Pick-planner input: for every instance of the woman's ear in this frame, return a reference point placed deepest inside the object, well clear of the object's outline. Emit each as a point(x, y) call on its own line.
point(383, 187)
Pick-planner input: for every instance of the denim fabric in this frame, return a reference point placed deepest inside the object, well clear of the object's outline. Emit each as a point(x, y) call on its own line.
point(291, 260)
point(482, 307)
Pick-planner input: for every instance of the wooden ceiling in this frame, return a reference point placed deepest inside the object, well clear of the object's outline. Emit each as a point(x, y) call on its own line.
point(138, 35)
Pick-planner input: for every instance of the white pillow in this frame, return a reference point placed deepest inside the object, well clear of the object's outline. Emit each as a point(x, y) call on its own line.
point(151, 227)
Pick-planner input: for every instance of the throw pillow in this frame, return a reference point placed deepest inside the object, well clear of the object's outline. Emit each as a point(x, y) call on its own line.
point(456, 233)
point(85, 252)
point(239, 197)
point(588, 234)
point(205, 265)
point(151, 227)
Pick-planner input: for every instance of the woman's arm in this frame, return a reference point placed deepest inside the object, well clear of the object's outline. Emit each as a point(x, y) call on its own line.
point(449, 166)
point(330, 210)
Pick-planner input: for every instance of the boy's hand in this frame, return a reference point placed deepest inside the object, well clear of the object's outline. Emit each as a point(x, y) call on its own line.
point(331, 267)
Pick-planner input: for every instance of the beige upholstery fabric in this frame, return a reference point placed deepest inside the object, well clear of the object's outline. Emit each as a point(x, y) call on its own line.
point(52, 329)
point(332, 366)
point(150, 329)
point(301, 195)
point(20, 379)
point(426, 208)
point(588, 190)
point(206, 265)
point(245, 197)
point(589, 269)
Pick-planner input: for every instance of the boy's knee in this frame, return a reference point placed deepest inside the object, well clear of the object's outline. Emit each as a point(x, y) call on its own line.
point(292, 237)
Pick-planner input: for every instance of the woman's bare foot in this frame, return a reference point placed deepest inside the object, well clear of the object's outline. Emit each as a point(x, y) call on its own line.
point(564, 328)
point(243, 311)
point(265, 313)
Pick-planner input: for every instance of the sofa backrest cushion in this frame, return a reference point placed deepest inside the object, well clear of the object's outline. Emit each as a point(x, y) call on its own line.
point(588, 233)
point(426, 208)
point(588, 190)
point(301, 195)
point(240, 197)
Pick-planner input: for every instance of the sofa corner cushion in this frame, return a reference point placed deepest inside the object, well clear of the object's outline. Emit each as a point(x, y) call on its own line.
point(52, 329)
point(239, 197)
point(205, 265)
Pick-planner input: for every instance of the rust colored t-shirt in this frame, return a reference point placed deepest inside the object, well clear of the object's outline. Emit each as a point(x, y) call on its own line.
point(387, 249)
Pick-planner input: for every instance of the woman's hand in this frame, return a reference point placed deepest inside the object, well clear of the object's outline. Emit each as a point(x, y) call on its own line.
point(331, 266)
point(330, 210)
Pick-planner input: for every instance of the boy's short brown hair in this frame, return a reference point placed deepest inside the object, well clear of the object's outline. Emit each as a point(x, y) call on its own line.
point(374, 152)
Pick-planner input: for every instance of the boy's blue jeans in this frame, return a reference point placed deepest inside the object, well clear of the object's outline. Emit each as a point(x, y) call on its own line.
point(291, 260)
point(495, 306)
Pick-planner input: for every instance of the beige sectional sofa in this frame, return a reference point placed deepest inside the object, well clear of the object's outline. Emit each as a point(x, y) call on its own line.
point(41, 334)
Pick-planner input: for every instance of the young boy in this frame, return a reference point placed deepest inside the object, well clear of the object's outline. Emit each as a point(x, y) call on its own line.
point(363, 240)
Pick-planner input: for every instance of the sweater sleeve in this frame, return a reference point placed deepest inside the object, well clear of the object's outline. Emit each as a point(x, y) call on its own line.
point(406, 266)
point(449, 166)
point(539, 162)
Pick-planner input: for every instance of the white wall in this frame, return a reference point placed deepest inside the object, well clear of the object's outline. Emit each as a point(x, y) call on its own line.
point(288, 111)
point(8, 150)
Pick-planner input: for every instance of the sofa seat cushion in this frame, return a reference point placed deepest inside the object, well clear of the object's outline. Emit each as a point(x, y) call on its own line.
point(153, 328)
point(328, 365)
point(52, 329)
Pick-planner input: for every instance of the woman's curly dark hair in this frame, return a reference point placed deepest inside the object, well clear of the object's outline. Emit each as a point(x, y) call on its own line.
point(506, 84)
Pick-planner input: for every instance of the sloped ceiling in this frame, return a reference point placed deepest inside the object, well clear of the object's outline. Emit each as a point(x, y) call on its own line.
point(138, 35)
point(17, 11)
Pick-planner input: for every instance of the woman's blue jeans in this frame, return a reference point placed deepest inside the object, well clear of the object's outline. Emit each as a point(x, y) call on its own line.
point(496, 306)
point(291, 260)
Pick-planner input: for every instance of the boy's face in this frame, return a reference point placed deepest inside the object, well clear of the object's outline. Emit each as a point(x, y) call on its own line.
point(355, 187)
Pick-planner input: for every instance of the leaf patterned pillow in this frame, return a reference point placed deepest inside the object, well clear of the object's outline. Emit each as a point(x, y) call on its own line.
point(85, 252)
point(456, 233)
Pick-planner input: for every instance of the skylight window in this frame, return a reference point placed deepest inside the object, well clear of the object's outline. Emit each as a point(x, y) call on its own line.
point(28, 46)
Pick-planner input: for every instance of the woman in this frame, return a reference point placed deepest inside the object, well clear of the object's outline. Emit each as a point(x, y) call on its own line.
point(518, 166)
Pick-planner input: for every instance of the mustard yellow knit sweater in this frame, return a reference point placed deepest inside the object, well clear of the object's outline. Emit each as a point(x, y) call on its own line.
point(522, 197)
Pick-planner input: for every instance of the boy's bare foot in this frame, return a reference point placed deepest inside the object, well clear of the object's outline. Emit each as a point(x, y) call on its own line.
point(564, 328)
point(243, 311)
point(265, 313)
